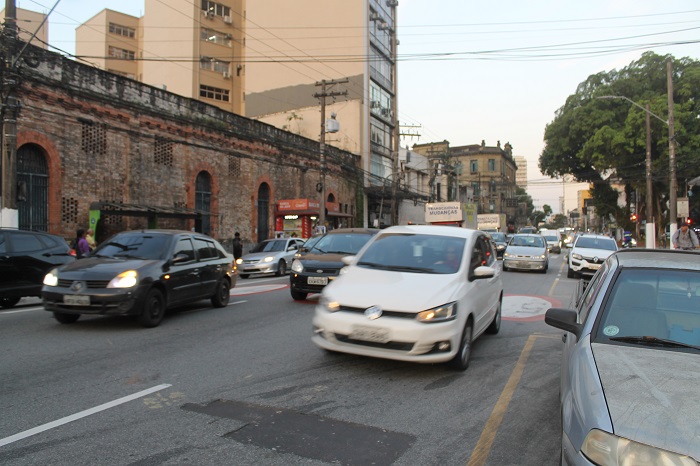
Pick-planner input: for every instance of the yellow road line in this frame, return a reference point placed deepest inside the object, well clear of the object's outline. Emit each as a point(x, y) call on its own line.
point(483, 446)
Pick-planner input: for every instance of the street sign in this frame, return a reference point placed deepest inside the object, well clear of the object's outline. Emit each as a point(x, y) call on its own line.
point(682, 207)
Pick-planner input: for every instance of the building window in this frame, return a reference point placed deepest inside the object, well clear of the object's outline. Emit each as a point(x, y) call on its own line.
point(212, 64)
point(216, 37)
point(214, 93)
point(475, 188)
point(122, 54)
point(474, 166)
point(122, 30)
point(94, 138)
point(492, 165)
point(163, 152)
point(213, 8)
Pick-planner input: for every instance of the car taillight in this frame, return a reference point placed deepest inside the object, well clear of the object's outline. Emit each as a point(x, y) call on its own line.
point(73, 253)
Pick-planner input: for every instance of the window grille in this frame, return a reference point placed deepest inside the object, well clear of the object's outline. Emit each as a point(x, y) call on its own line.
point(94, 138)
point(163, 152)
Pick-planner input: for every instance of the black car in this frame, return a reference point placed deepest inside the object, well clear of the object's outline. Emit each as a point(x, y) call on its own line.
point(25, 257)
point(500, 241)
point(322, 263)
point(141, 273)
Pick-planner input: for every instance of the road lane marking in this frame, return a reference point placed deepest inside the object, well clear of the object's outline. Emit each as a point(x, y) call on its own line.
point(22, 310)
point(483, 446)
point(81, 414)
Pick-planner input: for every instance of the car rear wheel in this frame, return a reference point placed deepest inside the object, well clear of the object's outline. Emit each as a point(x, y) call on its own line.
point(496, 322)
point(222, 294)
point(7, 303)
point(298, 295)
point(461, 360)
point(66, 318)
point(281, 268)
point(570, 273)
point(153, 309)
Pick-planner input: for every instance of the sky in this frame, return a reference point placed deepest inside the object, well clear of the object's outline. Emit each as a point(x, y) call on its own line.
point(495, 71)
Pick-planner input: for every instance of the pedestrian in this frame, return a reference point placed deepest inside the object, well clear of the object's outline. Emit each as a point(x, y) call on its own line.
point(90, 238)
point(237, 246)
point(685, 238)
point(80, 244)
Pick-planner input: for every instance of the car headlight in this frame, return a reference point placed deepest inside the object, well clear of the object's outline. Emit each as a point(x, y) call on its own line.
point(543, 256)
point(505, 254)
point(269, 259)
point(51, 278)
point(329, 305)
point(297, 266)
point(500, 247)
point(577, 256)
point(124, 280)
point(607, 449)
point(438, 314)
point(239, 261)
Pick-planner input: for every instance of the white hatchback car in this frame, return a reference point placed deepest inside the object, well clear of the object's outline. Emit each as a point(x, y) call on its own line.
point(413, 293)
point(588, 253)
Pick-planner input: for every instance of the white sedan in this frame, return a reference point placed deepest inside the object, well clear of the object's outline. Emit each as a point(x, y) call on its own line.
point(414, 293)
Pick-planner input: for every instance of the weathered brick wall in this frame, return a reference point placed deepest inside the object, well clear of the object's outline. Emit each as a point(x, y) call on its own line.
point(107, 138)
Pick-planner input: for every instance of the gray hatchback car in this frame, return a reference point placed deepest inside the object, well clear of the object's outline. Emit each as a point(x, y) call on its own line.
point(629, 369)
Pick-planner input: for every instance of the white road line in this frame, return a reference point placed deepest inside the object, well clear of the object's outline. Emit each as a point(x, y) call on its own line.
point(22, 310)
point(237, 302)
point(81, 414)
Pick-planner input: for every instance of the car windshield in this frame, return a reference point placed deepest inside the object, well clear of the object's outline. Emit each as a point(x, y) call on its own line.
point(658, 305)
point(342, 243)
point(551, 238)
point(596, 243)
point(527, 241)
point(311, 242)
point(414, 253)
point(270, 246)
point(498, 237)
point(132, 245)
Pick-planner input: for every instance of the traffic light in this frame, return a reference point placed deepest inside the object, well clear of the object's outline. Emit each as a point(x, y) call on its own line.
point(689, 221)
point(633, 217)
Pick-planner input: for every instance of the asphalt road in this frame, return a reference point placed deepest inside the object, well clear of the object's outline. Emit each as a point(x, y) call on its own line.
point(244, 385)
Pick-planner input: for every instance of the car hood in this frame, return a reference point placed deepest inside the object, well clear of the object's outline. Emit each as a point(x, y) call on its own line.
point(314, 259)
point(256, 256)
point(525, 250)
point(593, 252)
point(650, 395)
point(102, 268)
point(400, 291)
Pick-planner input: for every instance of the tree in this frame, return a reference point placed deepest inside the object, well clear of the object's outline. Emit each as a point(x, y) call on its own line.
point(560, 221)
point(547, 210)
point(602, 141)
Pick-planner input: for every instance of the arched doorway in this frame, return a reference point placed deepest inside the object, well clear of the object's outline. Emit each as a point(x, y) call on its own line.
point(33, 188)
point(263, 212)
point(202, 202)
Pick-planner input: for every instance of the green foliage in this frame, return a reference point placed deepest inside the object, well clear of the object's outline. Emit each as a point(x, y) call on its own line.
point(604, 140)
point(560, 221)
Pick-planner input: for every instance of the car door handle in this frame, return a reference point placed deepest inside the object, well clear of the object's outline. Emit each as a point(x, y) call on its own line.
point(194, 273)
point(563, 338)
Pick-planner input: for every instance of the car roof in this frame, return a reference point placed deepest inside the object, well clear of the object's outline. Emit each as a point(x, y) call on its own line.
point(367, 231)
point(658, 258)
point(593, 235)
point(440, 230)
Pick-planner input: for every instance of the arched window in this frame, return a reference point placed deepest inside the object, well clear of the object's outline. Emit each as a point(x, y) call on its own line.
point(202, 202)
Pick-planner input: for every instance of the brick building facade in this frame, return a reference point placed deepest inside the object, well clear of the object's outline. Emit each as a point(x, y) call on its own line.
point(85, 135)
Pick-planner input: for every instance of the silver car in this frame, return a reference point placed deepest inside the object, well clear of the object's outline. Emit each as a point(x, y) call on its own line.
point(526, 252)
point(272, 256)
point(629, 368)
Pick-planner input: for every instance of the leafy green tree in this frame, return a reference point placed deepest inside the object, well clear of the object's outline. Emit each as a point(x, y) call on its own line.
point(603, 141)
point(560, 221)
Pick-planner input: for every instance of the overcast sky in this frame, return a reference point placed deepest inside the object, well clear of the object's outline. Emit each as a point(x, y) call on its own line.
point(494, 71)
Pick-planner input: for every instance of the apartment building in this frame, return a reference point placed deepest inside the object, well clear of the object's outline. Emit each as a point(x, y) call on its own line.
point(31, 23)
point(292, 47)
point(195, 49)
point(521, 174)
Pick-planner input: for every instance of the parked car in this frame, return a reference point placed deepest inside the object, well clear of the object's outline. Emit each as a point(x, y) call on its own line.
point(272, 256)
point(25, 257)
point(141, 273)
point(627, 392)
point(526, 252)
point(420, 293)
point(587, 253)
point(323, 261)
point(500, 241)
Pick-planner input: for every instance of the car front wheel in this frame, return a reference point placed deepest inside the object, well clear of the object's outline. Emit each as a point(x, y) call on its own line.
point(298, 295)
point(222, 294)
point(66, 318)
point(569, 273)
point(153, 309)
point(281, 268)
point(7, 303)
point(495, 325)
point(461, 359)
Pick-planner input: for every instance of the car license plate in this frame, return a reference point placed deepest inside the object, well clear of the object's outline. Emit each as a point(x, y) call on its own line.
point(317, 280)
point(594, 266)
point(377, 335)
point(76, 300)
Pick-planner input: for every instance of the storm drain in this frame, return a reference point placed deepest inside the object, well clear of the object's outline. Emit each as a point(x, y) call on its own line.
point(308, 435)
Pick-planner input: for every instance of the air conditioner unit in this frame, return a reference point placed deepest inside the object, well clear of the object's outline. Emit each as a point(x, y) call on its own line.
point(228, 20)
point(385, 111)
point(375, 104)
point(226, 75)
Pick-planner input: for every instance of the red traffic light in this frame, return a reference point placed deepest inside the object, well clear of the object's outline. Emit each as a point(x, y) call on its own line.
point(689, 221)
point(633, 217)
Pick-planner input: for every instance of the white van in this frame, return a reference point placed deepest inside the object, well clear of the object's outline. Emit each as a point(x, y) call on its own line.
point(553, 238)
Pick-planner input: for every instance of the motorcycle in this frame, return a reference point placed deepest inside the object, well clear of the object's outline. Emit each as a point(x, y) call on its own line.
point(628, 241)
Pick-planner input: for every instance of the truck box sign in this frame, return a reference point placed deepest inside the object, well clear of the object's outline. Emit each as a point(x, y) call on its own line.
point(495, 221)
point(444, 212)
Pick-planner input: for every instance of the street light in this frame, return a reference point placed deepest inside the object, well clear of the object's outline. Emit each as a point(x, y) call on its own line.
point(649, 229)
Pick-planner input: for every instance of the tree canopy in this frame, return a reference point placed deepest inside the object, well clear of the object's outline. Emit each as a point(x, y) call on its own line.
point(603, 140)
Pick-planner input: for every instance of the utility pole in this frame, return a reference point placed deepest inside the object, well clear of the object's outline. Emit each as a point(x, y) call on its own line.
point(650, 232)
point(394, 114)
point(673, 188)
point(8, 202)
point(325, 84)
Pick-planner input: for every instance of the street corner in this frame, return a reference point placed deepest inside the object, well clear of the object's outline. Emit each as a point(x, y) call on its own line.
point(254, 289)
point(526, 308)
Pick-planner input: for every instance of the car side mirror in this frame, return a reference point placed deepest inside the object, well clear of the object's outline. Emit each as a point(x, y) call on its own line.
point(482, 272)
point(180, 257)
point(347, 260)
point(564, 319)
